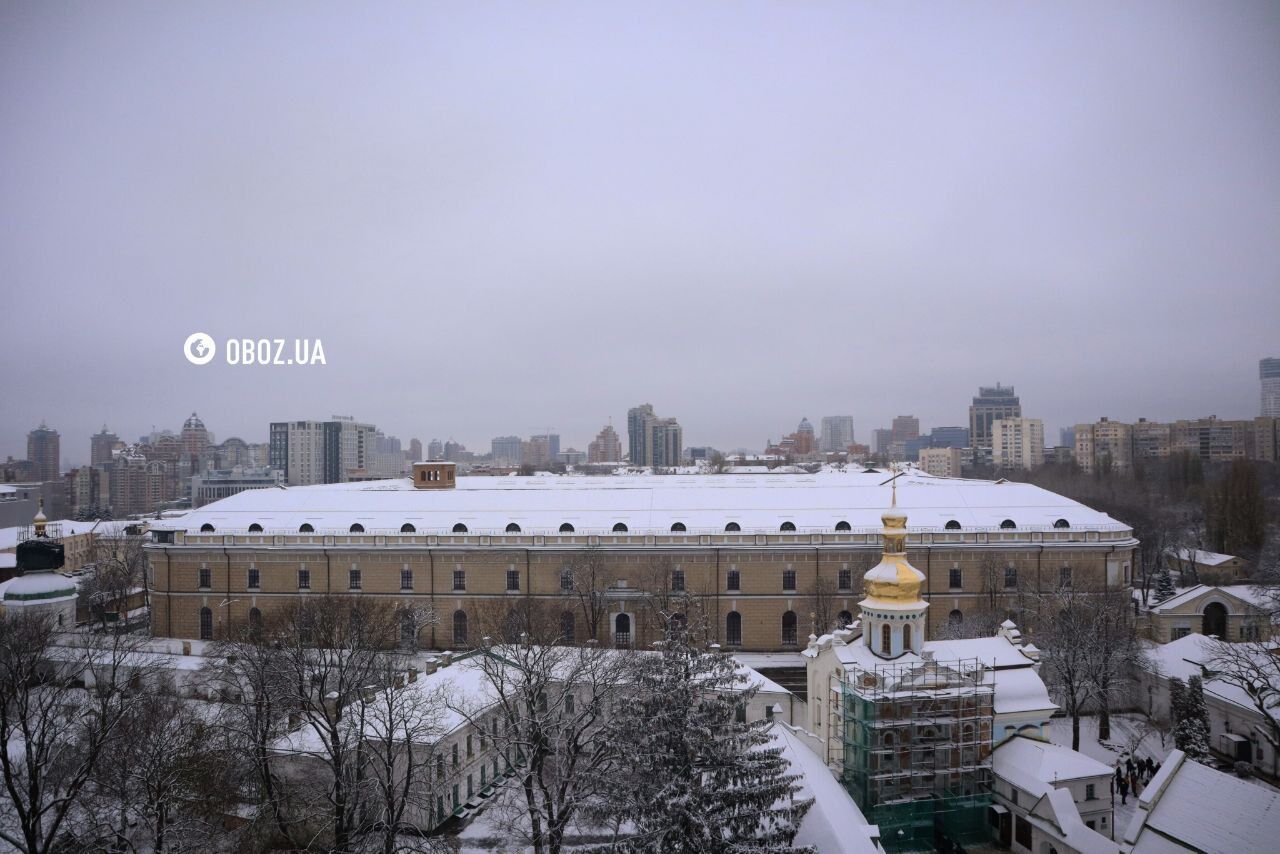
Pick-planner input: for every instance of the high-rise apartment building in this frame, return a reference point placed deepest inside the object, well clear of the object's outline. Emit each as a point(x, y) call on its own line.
point(639, 424)
point(43, 452)
point(991, 403)
point(883, 441)
point(607, 447)
point(435, 450)
point(653, 441)
point(1269, 376)
point(666, 443)
point(1105, 444)
point(1017, 443)
point(332, 451)
point(507, 450)
point(1067, 437)
point(101, 446)
point(837, 433)
point(905, 427)
point(415, 450)
point(541, 450)
point(941, 462)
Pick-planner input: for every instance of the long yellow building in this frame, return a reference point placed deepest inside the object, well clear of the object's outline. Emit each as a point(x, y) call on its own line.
point(760, 553)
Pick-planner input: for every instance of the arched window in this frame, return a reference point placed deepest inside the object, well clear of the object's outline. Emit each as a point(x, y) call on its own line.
point(732, 527)
point(678, 528)
point(888, 739)
point(952, 525)
point(906, 637)
point(844, 619)
point(1007, 524)
point(733, 629)
point(206, 624)
point(407, 528)
point(568, 629)
point(566, 528)
point(305, 528)
point(459, 528)
point(622, 631)
point(886, 638)
point(1214, 621)
point(843, 526)
point(789, 628)
point(787, 526)
point(459, 628)
point(357, 528)
point(206, 528)
point(255, 622)
point(1062, 523)
point(513, 528)
point(255, 528)
point(619, 528)
point(955, 618)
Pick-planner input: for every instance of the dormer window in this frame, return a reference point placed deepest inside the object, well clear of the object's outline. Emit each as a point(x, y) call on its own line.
point(513, 528)
point(459, 528)
point(566, 528)
point(678, 528)
point(305, 528)
point(1008, 524)
point(407, 528)
point(732, 528)
point(619, 528)
point(357, 528)
point(1062, 523)
point(206, 528)
point(952, 525)
point(255, 528)
point(843, 526)
point(787, 526)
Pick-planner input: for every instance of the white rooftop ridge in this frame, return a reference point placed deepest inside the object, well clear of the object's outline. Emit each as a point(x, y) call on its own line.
point(646, 503)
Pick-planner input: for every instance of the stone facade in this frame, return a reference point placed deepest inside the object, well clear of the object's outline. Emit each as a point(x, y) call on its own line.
point(966, 571)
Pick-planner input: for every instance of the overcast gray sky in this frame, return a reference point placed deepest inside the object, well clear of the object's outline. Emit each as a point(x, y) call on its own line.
point(505, 217)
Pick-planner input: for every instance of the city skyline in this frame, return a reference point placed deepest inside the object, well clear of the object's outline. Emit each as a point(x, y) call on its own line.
point(901, 216)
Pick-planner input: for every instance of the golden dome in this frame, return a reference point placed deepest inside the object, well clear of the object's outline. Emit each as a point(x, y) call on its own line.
point(894, 581)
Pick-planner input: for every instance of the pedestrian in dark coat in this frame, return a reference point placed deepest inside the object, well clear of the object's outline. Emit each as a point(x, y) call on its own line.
point(1124, 790)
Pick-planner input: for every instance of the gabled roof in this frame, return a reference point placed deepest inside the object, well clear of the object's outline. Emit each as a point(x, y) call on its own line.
point(1200, 557)
point(1242, 593)
point(1203, 810)
point(1035, 766)
point(833, 823)
point(1058, 808)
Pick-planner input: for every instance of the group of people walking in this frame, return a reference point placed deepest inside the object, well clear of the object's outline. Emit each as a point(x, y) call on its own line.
point(1132, 776)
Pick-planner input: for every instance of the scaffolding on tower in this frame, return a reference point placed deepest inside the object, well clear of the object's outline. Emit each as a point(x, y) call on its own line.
point(917, 749)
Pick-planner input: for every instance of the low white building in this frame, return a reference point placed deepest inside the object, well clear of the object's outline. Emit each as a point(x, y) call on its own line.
point(1051, 794)
point(1237, 729)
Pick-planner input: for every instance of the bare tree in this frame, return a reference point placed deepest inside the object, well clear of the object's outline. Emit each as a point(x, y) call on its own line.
point(1254, 668)
point(820, 603)
point(1114, 653)
point(55, 731)
point(1065, 632)
point(589, 579)
point(119, 570)
point(550, 703)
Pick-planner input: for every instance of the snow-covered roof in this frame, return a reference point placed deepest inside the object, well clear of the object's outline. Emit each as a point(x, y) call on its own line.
point(1244, 592)
point(1202, 558)
point(8, 560)
point(833, 823)
point(41, 586)
point(1058, 807)
point(66, 528)
point(707, 502)
point(1035, 766)
point(1020, 689)
point(1186, 657)
point(1203, 810)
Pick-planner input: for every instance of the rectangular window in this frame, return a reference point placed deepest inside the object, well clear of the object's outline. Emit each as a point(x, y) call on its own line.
point(455, 755)
point(1090, 793)
point(459, 579)
point(513, 579)
point(254, 578)
point(956, 578)
point(1176, 633)
point(677, 579)
point(1010, 576)
point(455, 796)
point(304, 579)
point(406, 579)
point(1064, 576)
point(353, 579)
point(734, 580)
point(471, 751)
point(206, 578)
point(845, 579)
point(470, 789)
point(439, 767)
point(789, 579)
point(566, 579)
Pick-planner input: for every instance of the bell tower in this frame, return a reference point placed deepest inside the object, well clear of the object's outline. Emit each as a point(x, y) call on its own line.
point(893, 614)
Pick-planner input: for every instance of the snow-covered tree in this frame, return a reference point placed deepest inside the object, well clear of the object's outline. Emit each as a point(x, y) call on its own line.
point(1164, 584)
point(1254, 668)
point(1190, 717)
point(699, 777)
